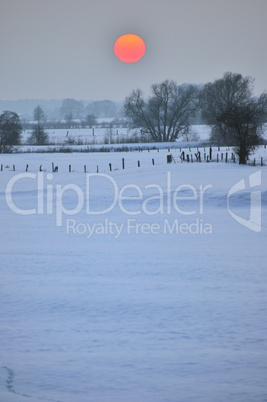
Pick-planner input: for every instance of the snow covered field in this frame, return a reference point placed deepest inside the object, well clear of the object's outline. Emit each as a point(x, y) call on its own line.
point(97, 136)
point(146, 284)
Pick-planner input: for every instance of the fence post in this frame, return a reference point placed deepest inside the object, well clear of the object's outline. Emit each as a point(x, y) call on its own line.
point(14, 168)
point(69, 168)
point(153, 162)
point(261, 161)
point(84, 168)
point(169, 158)
point(27, 167)
point(138, 163)
point(40, 168)
point(198, 157)
point(210, 153)
point(110, 167)
point(97, 171)
point(226, 157)
point(122, 163)
point(1, 168)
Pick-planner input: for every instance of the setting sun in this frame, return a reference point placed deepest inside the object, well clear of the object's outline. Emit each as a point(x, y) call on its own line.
point(129, 48)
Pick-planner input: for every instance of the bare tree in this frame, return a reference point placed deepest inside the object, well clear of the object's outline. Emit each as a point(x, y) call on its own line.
point(10, 131)
point(103, 108)
point(235, 116)
point(165, 115)
point(71, 107)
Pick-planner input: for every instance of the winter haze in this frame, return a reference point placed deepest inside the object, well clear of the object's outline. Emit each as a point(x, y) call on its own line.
point(58, 49)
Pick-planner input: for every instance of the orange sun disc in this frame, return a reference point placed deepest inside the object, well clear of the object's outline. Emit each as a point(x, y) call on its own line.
point(129, 48)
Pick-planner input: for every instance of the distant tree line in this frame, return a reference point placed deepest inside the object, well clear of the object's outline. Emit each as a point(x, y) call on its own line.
point(56, 110)
point(227, 105)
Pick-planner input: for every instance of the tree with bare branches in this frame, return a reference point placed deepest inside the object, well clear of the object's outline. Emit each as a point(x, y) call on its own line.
point(164, 116)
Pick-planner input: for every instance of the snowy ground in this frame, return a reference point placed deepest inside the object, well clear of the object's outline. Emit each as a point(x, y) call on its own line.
point(96, 136)
point(163, 297)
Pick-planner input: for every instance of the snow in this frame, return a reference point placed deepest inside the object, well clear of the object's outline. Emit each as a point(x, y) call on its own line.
point(172, 309)
point(97, 135)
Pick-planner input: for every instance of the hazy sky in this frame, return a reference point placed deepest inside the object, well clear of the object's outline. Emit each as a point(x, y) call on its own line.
point(64, 48)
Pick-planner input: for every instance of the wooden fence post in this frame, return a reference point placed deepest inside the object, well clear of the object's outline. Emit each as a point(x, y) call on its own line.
point(14, 168)
point(84, 168)
point(153, 162)
point(210, 153)
point(169, 158)
point(138, 163)
point(1, 168)
point(27, 167)
point(226, 157)
point(110, 167)
point(69, 168)
point(122, 163)
point(198, 158)
point(261, 161)
point(97, 170)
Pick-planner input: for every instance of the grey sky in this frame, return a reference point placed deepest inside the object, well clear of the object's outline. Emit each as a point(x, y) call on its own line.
point(64, 48)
